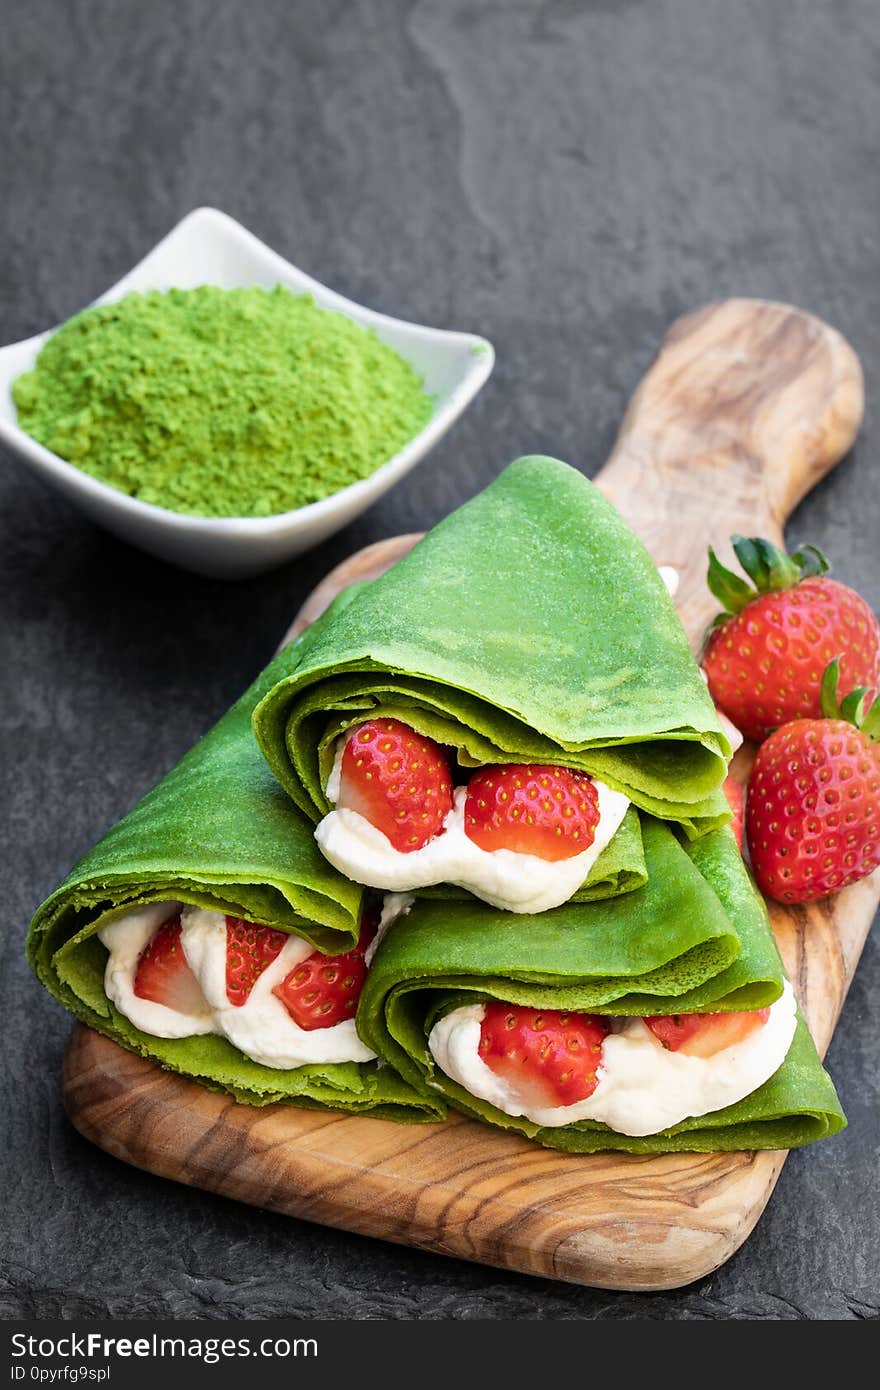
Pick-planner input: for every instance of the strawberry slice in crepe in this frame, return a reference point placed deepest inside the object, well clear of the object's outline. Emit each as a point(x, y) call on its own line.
point(522, 837)
point(275, 998)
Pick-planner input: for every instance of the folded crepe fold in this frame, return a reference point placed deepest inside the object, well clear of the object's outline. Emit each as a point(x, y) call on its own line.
point(529, 626)
point(219, 833)
point(669, 947)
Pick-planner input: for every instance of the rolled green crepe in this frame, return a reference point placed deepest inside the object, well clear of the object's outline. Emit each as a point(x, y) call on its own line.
point(529, 626)
point(666, 948)
point(219, 833)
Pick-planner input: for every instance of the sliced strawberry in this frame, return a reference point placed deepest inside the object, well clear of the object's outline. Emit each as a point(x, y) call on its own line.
point(734, 793)
point(702, 1035)
point(551, 812)
point(398, 780)
point(551, 1058)
point(371, 915)
point(324, 990)
point(163, 974)
point(249, 949)
point(734, 736)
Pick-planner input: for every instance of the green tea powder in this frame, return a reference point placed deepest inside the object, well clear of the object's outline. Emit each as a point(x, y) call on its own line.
point(215, 402)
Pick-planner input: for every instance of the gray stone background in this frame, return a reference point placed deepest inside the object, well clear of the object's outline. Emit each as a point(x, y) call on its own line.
point(563, 177)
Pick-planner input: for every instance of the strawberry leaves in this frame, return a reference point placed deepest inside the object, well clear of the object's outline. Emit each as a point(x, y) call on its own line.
point(768, 567)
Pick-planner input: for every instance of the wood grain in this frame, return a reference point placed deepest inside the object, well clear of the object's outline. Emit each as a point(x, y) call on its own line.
point(746, 406)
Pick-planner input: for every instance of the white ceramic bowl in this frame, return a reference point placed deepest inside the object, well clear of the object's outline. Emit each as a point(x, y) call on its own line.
point(208, 247)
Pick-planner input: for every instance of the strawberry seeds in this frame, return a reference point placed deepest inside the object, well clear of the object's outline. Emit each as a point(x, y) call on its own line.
point(400, 781)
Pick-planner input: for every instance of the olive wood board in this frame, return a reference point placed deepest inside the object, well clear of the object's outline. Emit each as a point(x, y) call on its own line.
point(746, 406)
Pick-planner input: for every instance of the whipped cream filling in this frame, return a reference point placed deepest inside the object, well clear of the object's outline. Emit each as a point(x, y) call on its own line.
point(126, 939)
point(503, 877)
point(642, 1087)
point(261, 1028)
point(734, 736)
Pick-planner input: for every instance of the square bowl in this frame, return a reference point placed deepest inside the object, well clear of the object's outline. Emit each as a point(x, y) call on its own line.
point(208, 247)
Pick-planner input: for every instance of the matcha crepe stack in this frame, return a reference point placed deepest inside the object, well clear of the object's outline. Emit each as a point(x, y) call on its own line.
point(530, 626)
point(508, 737)
point(517, 688)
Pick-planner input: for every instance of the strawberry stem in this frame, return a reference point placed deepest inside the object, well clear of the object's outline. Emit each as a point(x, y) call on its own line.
point(768, 567)
point(728, 588)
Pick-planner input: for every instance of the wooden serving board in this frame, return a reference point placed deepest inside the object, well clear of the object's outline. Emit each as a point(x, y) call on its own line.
point(746, 406)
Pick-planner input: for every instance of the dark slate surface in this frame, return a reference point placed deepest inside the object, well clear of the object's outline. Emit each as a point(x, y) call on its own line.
point(564, 177)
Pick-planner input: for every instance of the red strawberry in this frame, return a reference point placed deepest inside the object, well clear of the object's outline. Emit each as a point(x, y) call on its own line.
point(163, 974)
point(734, 793)
point(552, 1058)
point(813, 812)
point(324, 990)
point(702, 1035)
point(765, 657)
point(548, 811)
point(398, 780)
point(249, 949)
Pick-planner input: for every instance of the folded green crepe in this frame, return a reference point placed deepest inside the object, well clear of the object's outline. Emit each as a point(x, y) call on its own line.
point(529, 626)
point(219, 833)
point(669, 947)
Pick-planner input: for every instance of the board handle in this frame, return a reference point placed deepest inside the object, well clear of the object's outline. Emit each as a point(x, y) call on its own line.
point(747, 404)
point(758, 400)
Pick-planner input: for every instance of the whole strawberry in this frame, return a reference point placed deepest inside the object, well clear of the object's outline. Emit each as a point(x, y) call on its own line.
point(766, 652)
point(813, 808)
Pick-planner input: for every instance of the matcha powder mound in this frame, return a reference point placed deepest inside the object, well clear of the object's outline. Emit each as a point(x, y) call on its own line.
point(215, 402)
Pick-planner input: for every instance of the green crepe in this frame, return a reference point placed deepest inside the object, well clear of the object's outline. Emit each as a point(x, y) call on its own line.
point(668, 947)
point(529, 626)
point(217, 832)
